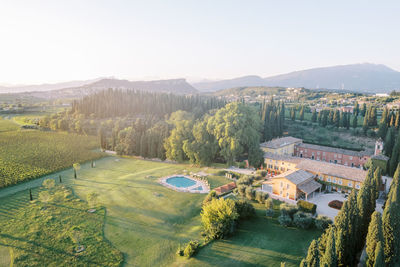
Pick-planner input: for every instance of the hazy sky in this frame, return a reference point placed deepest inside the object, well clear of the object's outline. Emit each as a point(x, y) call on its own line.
point(51, 41)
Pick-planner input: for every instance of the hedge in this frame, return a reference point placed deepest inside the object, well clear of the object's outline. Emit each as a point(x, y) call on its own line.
point(306, 206)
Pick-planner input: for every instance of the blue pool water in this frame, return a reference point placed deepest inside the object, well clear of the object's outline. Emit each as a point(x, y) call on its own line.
point(180, 181)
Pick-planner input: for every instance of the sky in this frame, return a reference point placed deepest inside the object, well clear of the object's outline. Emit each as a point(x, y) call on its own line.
point(62, 40)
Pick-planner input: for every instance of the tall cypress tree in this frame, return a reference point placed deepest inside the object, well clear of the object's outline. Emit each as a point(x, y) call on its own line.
point(329, 258)
point(314, 116)
point(389, 142)
point(313, 255)
point(379, 256)
point(374, 236)
point(355, 120)
point(391, 223)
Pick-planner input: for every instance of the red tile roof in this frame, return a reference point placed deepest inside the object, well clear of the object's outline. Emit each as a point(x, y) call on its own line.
point(225, 188)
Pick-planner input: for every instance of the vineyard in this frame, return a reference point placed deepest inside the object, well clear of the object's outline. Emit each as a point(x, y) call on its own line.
point(27, 154)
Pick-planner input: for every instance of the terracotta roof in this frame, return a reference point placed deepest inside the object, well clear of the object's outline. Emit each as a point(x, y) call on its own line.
point(295, 176)
point(322, 167)
point(332, 169)
point(309, 186)
point(333, 150)
point(280, 142)
point(225, 188)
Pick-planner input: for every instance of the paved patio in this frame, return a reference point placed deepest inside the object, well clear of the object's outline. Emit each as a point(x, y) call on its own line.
point(322, 201)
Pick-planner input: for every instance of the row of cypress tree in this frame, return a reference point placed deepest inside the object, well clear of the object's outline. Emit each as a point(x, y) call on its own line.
point(273, 118)
point(340, 244)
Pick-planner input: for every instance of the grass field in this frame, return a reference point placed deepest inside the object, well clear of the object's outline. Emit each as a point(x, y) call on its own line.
point(40, 233)
point(147, 221)
point(27, 154)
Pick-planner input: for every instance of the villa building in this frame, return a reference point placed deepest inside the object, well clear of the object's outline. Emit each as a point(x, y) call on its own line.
point(335, 177)
point(295, 147)
point(292, 184)
point(281, 146)
point(331, 154)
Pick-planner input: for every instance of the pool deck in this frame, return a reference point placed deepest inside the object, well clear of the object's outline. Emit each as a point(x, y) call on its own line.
point(189, 189)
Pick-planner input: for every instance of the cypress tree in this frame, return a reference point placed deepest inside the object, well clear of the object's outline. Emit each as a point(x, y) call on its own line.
point(364, 110)
point(379, 256)
point(391, 223)
point(374, 236)
point(313, 257)
point(329, 258)
point(394, 159)
point(314, 116)
point(301, 114)
point(397, 120)
point(389, 142)
point(355, 120)
point(30, 194)
point(340, 246)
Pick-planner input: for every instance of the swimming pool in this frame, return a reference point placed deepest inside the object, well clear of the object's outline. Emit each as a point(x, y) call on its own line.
point(180, 181)
point(183, 183)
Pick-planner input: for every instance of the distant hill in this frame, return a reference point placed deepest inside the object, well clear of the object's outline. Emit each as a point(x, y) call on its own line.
point(176, 86)
point(45, 86)
point(245, 81)
point(365, 77)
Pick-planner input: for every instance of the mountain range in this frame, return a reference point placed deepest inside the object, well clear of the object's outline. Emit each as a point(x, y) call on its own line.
point(366, 77)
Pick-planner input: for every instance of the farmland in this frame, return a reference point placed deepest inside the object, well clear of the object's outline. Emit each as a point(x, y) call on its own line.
point(147, 221)
point(27, 154)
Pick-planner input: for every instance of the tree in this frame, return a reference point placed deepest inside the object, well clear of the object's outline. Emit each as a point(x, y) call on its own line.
point(397, 120)
point(379, 255)
point(355, 120)
point(76, 167)
point(390, 223)
point(356, 108)
point(301, 114)
point(174, 144)
point(313, 256)
point(329, 258)
point(364, 110)
point(203, 148)
point(389, 142)
point(314, 116)
point(236, 128)
point(374, 236)
point(210, 196)
point(219, 217)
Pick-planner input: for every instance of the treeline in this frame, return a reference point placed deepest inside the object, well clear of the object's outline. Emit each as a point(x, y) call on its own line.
point(340, 244)
point(273, 118)
point(120, 103)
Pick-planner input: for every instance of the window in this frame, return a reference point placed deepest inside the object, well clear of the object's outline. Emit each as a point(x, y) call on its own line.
point(340, 181)
point(334, 180)
point(318, 152)
point(287, 195)
point(335, 155)
point(350, 184)
point(323, 153)
point(281, 184)
point(329, 179)
point(358, 186)
point(340, 156)
point(321, 178)
point(287, 186)
point(351, 157)
point(305, 150)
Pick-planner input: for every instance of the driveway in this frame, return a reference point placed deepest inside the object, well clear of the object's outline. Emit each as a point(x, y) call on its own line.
point(322, 201)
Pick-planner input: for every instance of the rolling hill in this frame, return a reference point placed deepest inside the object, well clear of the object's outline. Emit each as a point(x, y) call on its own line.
point(366, 77)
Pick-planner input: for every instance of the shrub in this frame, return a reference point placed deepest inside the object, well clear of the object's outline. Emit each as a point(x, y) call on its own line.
point(336, 204)
point(303, 220)
point(245, 209)
point(191, 248)
point(242, 190)
point(306, 206)
point(219, 218)
point(288, 209)
point(242, 165)
point(285, 220)
point(270, 213)
point(211, 195)
point(245, 180)
point(322, 222)
point(261, 173)
point(179, 251)
point(261, 197)
point(269, 204)
point(250, 193)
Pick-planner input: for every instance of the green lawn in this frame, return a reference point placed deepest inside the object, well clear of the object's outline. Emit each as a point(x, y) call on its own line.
point(147, 221)
point(39, 234)
point(4, 256)
point(258, 242)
